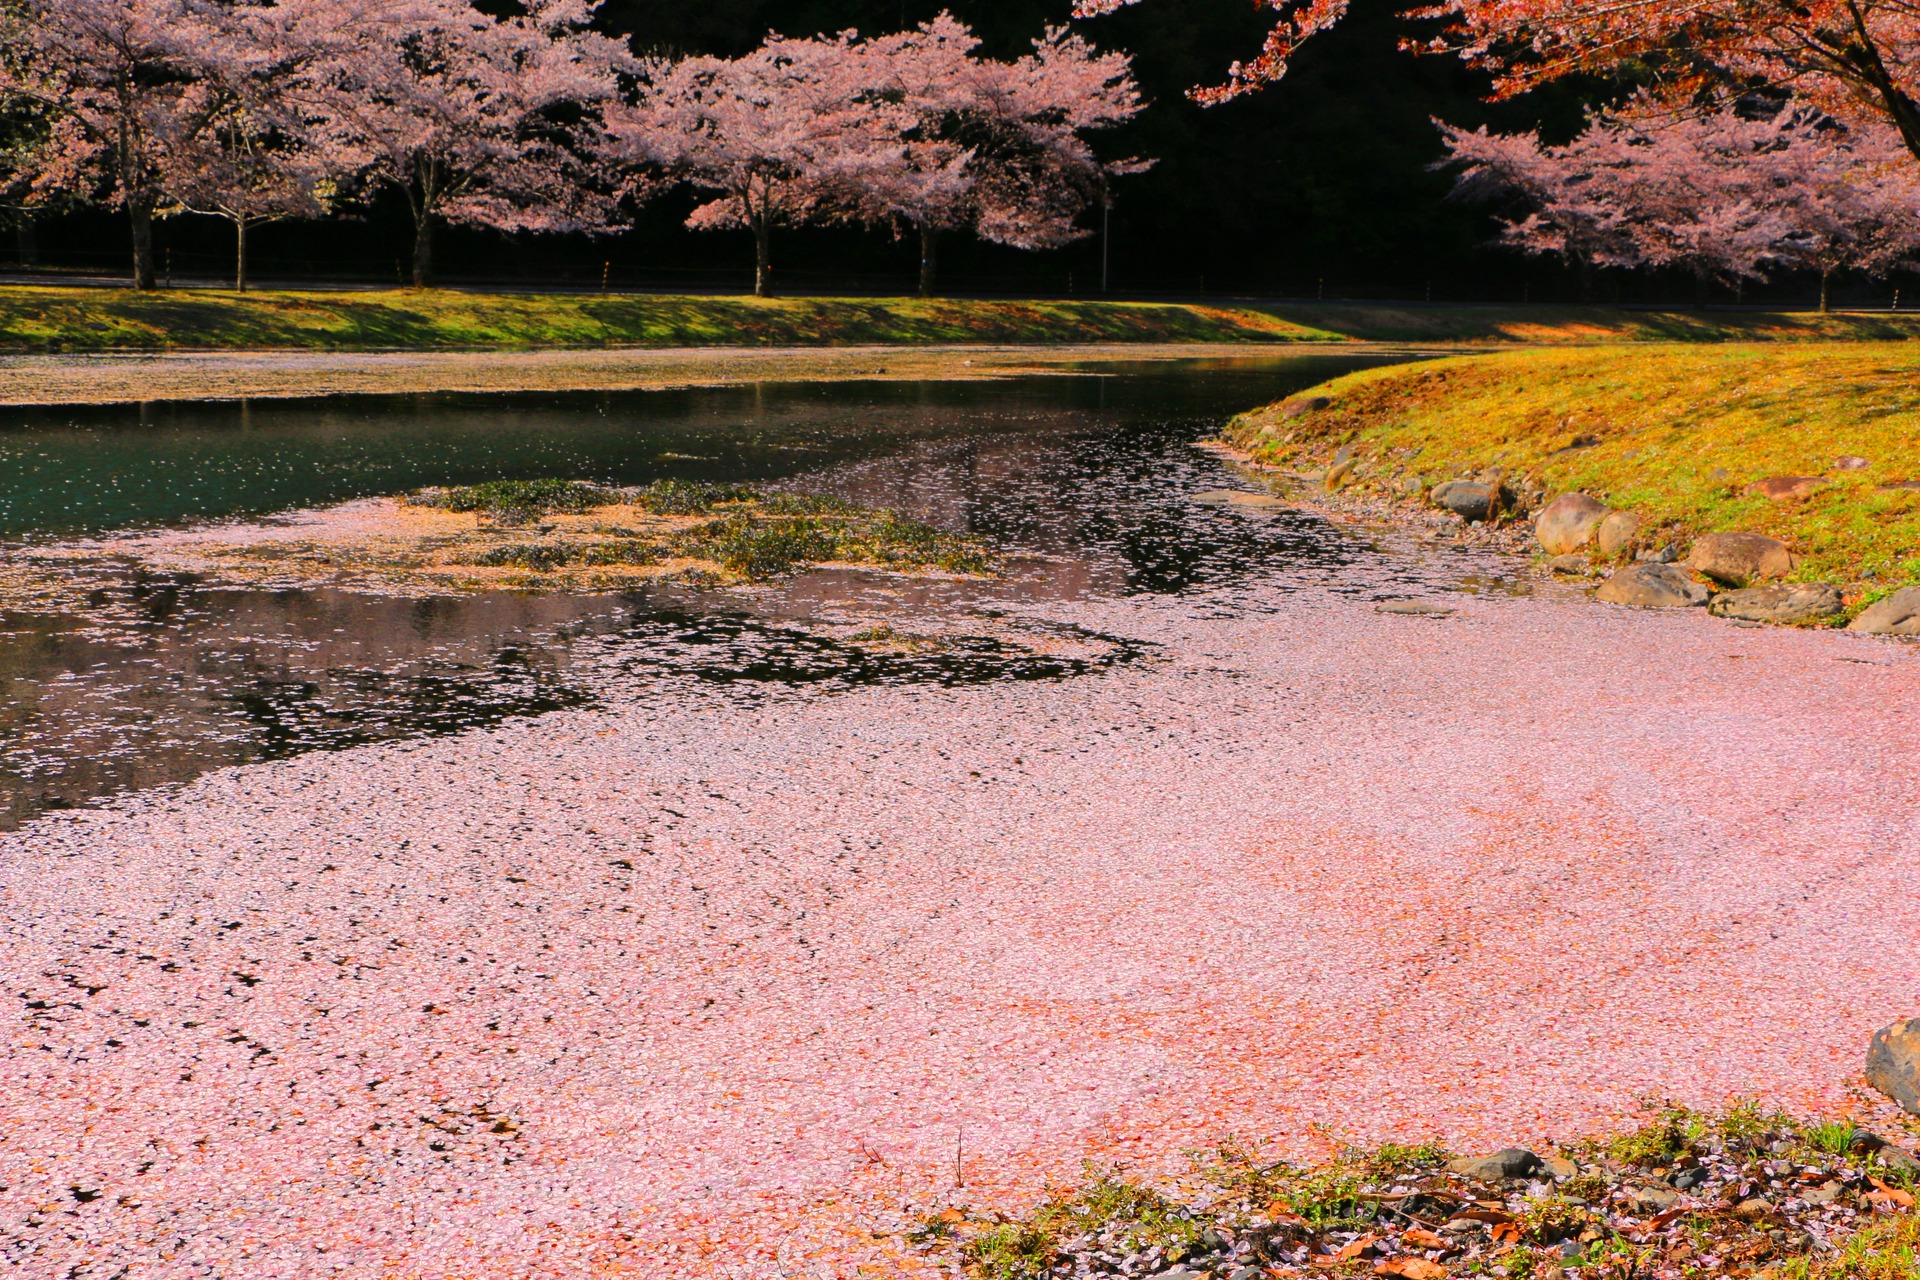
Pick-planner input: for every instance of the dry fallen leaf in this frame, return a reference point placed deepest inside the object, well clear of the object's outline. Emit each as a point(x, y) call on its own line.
point(1505, 1233)
point(1365, 1246)
point(1411, 1269)
point(1421, 1238)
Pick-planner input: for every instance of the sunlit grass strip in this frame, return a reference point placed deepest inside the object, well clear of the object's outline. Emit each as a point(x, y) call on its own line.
point(37, 318)
point(1675, 433)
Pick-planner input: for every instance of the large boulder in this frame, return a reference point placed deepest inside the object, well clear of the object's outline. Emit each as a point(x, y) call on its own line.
point(1617, 532)
point(1786, 488)
point(1784, 604)
point(1568, 523)
point(1897, 615)
point(1651, 585)
point(1739, 559)
point(1893, 1063)
point(1468, 499)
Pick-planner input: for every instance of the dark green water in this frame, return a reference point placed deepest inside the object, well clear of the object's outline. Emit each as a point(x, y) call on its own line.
point(68, 470)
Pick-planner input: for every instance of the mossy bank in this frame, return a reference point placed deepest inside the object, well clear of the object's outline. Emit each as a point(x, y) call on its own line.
point(1679, 436)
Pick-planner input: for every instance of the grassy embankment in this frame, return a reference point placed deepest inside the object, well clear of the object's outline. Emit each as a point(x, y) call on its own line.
point(42, 319)
point(1674, 433)
point(34, 318)
point(1488, 324)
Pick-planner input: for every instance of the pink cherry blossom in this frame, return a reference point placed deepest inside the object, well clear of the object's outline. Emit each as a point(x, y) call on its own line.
point(470, 118)
point(1728, 195)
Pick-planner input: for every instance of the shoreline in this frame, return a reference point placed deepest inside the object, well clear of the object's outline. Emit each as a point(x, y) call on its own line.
point(109, 378)
point(1689, 477)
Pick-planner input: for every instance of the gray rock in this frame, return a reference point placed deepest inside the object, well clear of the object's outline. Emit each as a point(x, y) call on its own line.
point(1412, 486)
point(1514, 1162)
point(1655, 1198)
point(1897, 615)
point(1650, 585)
point(1850, 462)
point(1668, 554)
point(1898, 1159)
point(1182, 1273)
point(1740, 559)
point(1783, 604)
point(1893, 1063)
point(1617, 532)
point(1901, 486)
point(1302, 407)
point(1576, 565)
point(1568, 523)
point(1825, 1194)
point(1468, 499)
point(1559, 1168)
point(1414, 608)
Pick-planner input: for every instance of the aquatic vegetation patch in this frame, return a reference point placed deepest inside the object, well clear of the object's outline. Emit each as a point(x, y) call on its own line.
point(551, 534)
point(545, 556)
point(511, 501)
point(690, 497)
point(756, 545)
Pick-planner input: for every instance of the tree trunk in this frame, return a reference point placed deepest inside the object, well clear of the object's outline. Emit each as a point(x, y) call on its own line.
point(240, 255)
point(141, 216)
point(26, 238)
point(1826, 275)
point(423, 250)
point(763, 258)
point(929, 244)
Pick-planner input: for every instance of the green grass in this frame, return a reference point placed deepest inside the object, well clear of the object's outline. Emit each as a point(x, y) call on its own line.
point(1556, 324)
point(41, 318)
point(1887, 1250)
point(47, 318)
point(1672, 432)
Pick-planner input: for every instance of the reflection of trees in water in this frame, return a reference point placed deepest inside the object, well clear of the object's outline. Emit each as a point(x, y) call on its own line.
point(179, 682)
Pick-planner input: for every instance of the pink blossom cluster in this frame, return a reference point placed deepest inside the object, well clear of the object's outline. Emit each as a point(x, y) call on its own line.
point(257, 110)
point(1732, 195)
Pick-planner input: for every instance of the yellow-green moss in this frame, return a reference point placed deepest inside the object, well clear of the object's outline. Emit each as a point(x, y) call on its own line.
point(1679, 432)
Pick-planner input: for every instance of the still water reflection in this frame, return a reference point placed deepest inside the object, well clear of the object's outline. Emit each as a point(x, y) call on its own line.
point(1087, 481)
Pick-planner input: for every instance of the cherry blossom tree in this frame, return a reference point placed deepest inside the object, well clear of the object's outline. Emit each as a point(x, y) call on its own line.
point(245, 170)
point(1859, 60)
point(995, 146)
point(1729, 196)
point(471, 119)
point(121, 85)
point(778, 137)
